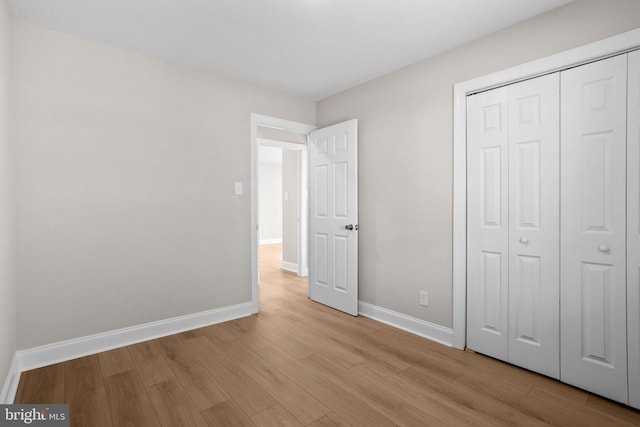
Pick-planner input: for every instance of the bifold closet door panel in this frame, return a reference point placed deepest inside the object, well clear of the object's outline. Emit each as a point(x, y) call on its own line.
point(633, 228)
point(593, 227)
point(487, 223)
point(534, 224)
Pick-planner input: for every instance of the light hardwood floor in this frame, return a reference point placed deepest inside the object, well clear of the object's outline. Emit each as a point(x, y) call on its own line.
point(299, 363)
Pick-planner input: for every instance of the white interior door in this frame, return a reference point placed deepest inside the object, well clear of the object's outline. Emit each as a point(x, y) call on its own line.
point(593, 227)
point(333, 216)
point(487, 223)
point(633, 228)
point(534, 224)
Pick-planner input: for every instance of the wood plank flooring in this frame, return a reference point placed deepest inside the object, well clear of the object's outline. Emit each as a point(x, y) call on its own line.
point(299, 363)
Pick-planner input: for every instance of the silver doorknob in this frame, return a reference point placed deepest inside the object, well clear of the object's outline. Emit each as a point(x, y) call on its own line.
point(603, 248)
point(524, 240)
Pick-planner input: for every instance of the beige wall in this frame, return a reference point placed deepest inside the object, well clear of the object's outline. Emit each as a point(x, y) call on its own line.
point(7, 283)
point(125, 171)
point(281, 135)
point(270, 193)
point(405, 151)
point(290, 206)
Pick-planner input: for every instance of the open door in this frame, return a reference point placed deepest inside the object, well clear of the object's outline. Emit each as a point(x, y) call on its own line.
point(333, 216)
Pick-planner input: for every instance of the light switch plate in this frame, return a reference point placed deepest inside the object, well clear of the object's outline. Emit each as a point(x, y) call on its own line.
point(424, 298)
point(238, 188)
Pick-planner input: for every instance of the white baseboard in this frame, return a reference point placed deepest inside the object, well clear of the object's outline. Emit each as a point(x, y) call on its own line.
point(62, 351)
point(270, 241)
point(8, 394)
point(289, 266)
point(416, 326)
point(49, 354)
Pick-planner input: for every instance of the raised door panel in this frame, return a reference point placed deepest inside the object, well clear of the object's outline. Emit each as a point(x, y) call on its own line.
point(320, 208)
point(633, 228)
point(593, 227)
point(320, 260)
point(487, 226)
point(534, 216)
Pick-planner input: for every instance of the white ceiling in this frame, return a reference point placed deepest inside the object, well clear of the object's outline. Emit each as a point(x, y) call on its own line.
point(307, 48)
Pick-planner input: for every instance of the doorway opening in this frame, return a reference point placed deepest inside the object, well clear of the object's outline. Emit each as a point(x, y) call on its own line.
point(282, 201)
point(272, 137)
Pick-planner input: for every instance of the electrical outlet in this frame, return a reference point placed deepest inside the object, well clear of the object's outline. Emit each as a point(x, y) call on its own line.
point(424, 298)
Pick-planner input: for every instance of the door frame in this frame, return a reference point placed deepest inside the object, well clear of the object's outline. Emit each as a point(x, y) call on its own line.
point(611, 46)
point(276, 123)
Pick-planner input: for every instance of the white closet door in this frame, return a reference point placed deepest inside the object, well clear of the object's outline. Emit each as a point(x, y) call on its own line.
point(488, 223)
point(633, 228)
point(534, 216)
point(593, 227)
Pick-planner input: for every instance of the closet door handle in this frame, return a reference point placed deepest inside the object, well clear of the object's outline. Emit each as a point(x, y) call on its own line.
point(524, 240)
point(603, 248)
